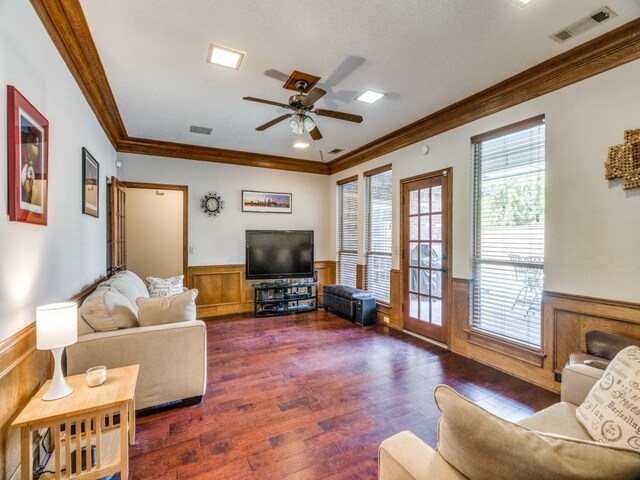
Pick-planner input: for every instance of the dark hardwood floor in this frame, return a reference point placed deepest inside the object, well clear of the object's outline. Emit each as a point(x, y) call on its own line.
point(312, 396)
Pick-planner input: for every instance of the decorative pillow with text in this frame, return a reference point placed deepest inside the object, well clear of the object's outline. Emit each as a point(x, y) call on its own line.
point(611, 411)
point(164, 287)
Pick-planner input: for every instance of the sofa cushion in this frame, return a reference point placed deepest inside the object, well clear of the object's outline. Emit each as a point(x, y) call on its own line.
point(124, 284)
point(164, 287)
point(558, 419)
point(611, 411)
point(141, 287)
point(83, 327)
point(176, 308)
point(484, 447)
point(107, 309)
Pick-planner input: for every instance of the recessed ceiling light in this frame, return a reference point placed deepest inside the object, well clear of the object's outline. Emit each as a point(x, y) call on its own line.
point(300, 145)
point(370, 96)
point(225, 57)
point(520, 3)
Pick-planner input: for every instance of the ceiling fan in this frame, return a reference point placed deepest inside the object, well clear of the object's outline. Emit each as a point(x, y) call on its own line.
point(302, 104)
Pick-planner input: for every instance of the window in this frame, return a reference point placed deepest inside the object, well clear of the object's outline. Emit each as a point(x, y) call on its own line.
point(508, 257)
point(348, 232)
point(378, 188)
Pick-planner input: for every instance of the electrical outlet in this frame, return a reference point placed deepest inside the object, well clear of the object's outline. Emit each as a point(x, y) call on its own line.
point(385, 319)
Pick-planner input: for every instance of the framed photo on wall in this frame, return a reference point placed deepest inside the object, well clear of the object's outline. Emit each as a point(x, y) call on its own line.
point(28, 141)
point(266, 202)
point(90, 184)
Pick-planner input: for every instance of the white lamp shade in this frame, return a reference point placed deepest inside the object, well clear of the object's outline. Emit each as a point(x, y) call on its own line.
point(56, 325)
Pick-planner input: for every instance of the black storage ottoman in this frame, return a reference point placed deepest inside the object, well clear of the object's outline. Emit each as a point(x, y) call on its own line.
point(357, 305)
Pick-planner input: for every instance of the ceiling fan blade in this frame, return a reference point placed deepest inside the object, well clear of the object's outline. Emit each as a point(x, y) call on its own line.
point(268, 102)
point(349, 117)
point(274, 121)
point(315, 133)
point(313, 96)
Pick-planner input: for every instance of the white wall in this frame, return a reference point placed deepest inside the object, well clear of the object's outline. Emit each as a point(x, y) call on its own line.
point(154, 227)
point(220, 240)
point(592, 226)
point(43, 264)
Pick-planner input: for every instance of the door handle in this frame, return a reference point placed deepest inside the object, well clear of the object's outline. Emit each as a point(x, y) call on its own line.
point(443, 269)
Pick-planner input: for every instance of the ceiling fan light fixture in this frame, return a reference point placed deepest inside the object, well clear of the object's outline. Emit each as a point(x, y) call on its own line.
point(309, 124)
point(300, 145)
point(225, 56)
point(296, 124)
point(370, 96)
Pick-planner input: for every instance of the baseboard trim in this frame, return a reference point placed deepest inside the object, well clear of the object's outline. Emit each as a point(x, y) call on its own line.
point(433, 342)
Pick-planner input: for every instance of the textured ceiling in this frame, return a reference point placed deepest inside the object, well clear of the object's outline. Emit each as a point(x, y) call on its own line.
point(426, 54)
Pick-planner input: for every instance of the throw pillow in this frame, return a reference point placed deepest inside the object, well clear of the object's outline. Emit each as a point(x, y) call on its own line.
point(123, 284)
point(611, 411)
point(105, 310)
point(482, 446)
point(176, 308)
point(138, 283)
point(83, 327)
point(164, 287)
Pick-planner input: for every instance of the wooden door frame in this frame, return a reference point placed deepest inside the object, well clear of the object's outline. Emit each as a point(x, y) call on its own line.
point(185, 214)
point(446, 314)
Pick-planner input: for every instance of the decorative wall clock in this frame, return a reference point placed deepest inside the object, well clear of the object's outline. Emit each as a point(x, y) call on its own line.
point(211, 204)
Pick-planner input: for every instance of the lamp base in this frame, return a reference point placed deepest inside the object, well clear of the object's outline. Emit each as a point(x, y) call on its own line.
point(59, 388)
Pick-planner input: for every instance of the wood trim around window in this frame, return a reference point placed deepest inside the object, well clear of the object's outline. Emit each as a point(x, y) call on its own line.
point(512, 349)
point(507, 129)
point(376, 171)
point(347, 180)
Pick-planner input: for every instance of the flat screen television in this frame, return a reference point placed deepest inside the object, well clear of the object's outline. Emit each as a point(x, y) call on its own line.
point(273, 254)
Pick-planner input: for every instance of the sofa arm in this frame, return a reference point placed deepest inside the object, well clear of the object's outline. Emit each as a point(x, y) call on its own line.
point(405, 457)
point(172, 359)
point(577, 380)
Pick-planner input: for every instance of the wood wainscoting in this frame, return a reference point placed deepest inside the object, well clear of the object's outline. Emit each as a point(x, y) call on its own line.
point(223, 289)
point(566, 319)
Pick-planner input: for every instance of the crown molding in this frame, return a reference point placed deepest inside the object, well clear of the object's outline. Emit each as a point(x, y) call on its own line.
point(160, 148)
point(603, 53)
point(66, 24)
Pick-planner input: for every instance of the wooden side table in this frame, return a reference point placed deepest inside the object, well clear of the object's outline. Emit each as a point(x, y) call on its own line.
point(102, 416)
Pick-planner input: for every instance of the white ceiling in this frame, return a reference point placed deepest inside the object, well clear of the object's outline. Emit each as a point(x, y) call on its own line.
point(426, 54)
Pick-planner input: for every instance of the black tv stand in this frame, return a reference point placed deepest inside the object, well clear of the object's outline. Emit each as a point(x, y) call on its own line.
point(271, 299)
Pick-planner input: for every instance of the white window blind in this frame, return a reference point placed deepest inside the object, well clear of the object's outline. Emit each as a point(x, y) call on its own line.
point(508, 259)
point(348, 233)
point(378, 189)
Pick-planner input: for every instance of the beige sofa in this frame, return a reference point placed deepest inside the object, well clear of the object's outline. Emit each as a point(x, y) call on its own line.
point(172, 356)
point(405, 457)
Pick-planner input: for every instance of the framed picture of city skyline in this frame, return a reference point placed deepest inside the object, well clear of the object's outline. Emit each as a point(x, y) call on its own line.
point(266, 202)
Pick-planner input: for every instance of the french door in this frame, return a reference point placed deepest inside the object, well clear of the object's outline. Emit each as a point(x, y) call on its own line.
point(117, 237)
point(426, 224)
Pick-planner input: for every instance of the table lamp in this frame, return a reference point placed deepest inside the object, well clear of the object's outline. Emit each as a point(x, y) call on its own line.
point(56, 327)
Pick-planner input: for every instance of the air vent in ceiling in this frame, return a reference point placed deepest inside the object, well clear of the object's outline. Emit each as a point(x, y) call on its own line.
point(201, 130)
point(601, 15)
point(335, 150)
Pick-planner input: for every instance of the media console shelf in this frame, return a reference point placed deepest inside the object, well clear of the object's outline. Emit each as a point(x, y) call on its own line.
point(272, 299)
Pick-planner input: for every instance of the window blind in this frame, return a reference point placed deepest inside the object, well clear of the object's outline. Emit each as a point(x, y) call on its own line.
point(378, 192)
point(348, 233)
point(508, 257)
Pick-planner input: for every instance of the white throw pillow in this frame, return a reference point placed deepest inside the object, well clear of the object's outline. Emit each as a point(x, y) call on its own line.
point(611, 411)
point(138, 283)
point(123, 284)
point(164, 287)
point(105, 310)
point(175, 308)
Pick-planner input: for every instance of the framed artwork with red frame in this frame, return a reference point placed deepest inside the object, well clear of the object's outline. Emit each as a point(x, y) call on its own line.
point(28, 142)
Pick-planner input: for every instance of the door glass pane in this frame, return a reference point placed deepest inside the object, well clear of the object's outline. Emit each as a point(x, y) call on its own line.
point(436, 283)
point(436, 199)
point(424, 281)
point(413, 279)
point(436, 255)
point(413, 305)
point(424, 254)
point(413, 202)
point(436, 311)
point(413, 228)
point(436, 227)
point(424, 227)
point(424, 200)
point(424, 308)
point(413, 254)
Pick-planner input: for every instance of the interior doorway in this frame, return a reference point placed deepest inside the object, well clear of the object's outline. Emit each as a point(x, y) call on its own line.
point(156, 225)
point(426, 253)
